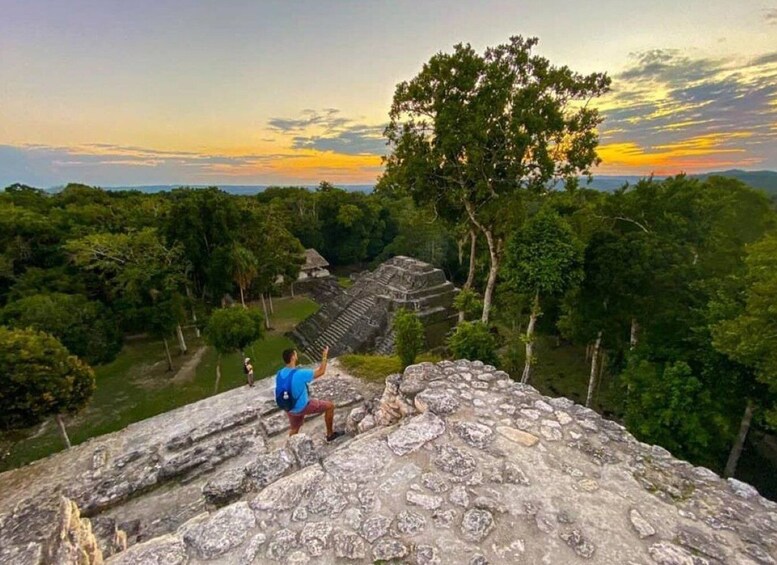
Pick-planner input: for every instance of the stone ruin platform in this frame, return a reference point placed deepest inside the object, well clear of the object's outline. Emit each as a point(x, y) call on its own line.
point(359, 319)
point(456, 463)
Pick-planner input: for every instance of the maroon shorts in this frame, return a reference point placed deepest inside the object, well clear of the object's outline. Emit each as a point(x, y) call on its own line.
point(314, 406)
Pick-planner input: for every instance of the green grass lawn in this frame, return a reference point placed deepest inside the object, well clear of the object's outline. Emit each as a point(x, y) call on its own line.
point(137, 385)
point(344, 282)
point(376, 368)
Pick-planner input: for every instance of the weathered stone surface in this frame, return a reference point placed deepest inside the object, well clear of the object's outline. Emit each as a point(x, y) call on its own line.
point(476, 524)
point(281, 544)
point(228, 486)
point(315, 537)
point(74, 541)
point(387, 549)
point(360, 462)
point(455, 461)
point(268, 467)
point(221, 532)
point(641, 526)
point(524, 438)
point(410, 523)
point(349, 545)
point(578, 543)
point(305, 450)
point(437, 400)
point(415, 433)
point(665, 553)
point(375, 527)
point(474, 434)
point(491, 483)
point(425, 501)
point(165, 550)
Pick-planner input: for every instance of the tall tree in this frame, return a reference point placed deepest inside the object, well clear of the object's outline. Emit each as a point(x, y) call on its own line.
point(38, 379)
point(232, 329)
point(244, 269)
point(470, 131)
point(749, 336)
point(544, 258)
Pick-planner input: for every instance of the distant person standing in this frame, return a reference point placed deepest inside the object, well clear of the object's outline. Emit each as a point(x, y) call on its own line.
point(248, 369)
point(291, 394)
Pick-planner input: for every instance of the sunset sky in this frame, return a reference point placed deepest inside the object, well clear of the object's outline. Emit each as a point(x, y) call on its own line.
point(294, 92)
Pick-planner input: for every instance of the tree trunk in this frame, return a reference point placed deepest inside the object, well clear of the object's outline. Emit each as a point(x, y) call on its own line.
point(535, 311)
point(194, 313)
point(471, 274)
point(739, 443)
point(167, 353)
point(634, 333)
point(181, 339)
point(63, 430)
point(242, 297)
point(266, 317)
point(594, 367)
point(218, 374)
point(292, 289)
point(272, 309)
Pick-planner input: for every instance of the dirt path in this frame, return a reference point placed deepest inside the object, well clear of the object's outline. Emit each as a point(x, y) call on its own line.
point(187, 370)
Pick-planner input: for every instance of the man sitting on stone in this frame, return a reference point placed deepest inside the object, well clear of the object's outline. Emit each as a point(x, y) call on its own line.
point(304, 406)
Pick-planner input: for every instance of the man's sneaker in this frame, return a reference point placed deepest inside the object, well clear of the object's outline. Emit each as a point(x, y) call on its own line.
point(334, 436)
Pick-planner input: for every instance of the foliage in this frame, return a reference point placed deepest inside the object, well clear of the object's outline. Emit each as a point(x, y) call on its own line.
point(408, 336)
point(86, 328)
point(474, 341)
point(471, 132)
point(468, 302)
point(233, 329)
point(377, 367)
point(668, 406)
point(39, 378)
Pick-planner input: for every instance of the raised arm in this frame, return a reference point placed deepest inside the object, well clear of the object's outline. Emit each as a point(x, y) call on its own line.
point(322, 367)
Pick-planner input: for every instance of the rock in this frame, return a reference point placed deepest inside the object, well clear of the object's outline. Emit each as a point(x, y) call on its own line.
point(276, 424)
point(388, 549)
point(288, 492)
point(375, 527)
point(221, 532)
point(349, 545)
point(304, 450)
point(73, 541)
point(523, 438)
point(455, 461)
point(641, 526)
point(361, 461)
point(253, 548)
point(22, 555)
point(298, 557)
point(513, 474)
point(434, 482)
point(415, 433)
point(476, 524)
point(444, 518)
point(700, 543)
point(427, 555)
point(665, 553)
point(410, 523)
point(281, 544)
point(459, 496)
point(228, 486)
point(425, 501)
point(563, 417)
point(327, 498)
point(474, 434)
point(581, 546)
point(164, 550)
point(550, 430)
point(490, 504)
point(268, 467)
point(436, 400)
point(742, 490)
point(315, 537)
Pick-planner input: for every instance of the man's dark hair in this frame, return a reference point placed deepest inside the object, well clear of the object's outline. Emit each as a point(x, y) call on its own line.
point(287, 353)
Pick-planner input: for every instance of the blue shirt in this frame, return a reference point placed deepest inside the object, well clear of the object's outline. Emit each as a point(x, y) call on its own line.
point(299, 387)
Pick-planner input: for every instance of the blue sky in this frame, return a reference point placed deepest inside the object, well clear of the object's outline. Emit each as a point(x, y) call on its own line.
point(123, 93)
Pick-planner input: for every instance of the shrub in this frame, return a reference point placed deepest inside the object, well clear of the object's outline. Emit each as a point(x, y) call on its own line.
point(408, 336)
point(473, 341)
point(468, 304)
